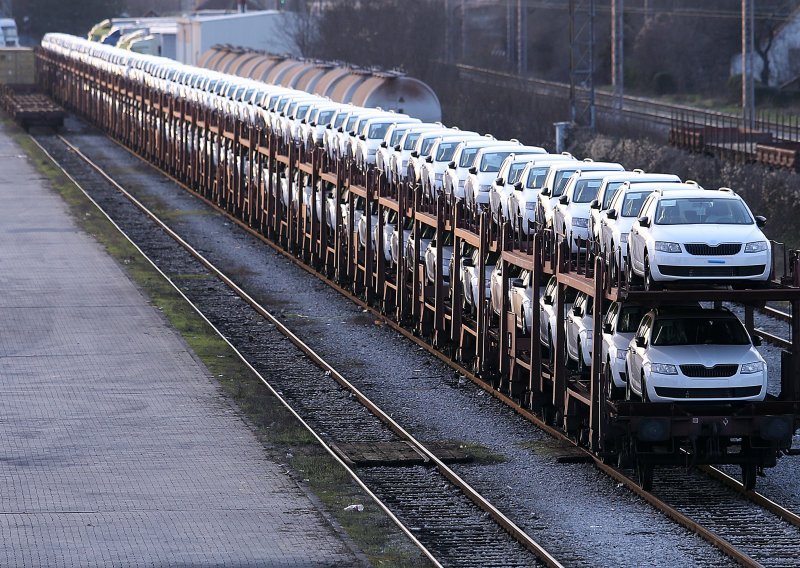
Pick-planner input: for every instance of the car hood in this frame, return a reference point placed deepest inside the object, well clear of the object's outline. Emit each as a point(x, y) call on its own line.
point(711, 234)
point(706, 355)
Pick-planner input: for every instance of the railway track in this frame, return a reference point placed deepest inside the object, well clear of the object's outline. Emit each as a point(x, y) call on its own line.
point(448, 520)
point(740, 541)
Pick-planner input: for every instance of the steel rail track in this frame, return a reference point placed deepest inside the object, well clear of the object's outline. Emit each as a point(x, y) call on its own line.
point(621, 477)
point(472, 494)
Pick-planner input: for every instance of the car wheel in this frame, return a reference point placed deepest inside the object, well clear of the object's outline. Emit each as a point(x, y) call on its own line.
point(612, 392)
point(630, 276)
point(650, 285)
point(644, 473)
point(628, 389)
point(749, 476)
point(613, 265)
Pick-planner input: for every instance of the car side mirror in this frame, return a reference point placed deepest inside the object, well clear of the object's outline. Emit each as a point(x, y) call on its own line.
point(518, 186)
point(644, 221)
point(303, 121)
point(499, 181)
point(433, 243)
point(595, 204)
point(756, 340)
point(640, 341)
point(467, 262)
point(363, 137)
point(473, 170)
point(545, 191)
point(397, 148)
point(576, 310)
point(607, 328)
point(548, 300)
point(384, 145)
point(563, 200)
point(415, 154)
point(429, 159)
point(451, 165)
point(760, 221)
point(612, 214)
point(341, 129)
point(517, 283)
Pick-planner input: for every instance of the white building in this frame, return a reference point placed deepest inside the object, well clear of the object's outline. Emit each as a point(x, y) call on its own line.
point(784, 54)
point(268, 30)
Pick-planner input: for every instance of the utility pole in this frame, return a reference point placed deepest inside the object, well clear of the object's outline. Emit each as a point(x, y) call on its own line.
point(448, 19)
point(748, 46)
point(617, 52)
point(463, 30)
point(510, 34)
point(522, 38)
point(581, 63)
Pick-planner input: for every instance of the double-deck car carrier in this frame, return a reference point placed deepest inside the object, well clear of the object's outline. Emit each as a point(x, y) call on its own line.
point(307, 202)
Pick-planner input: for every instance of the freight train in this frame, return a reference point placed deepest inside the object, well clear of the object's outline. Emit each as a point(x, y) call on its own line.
point(601, 298)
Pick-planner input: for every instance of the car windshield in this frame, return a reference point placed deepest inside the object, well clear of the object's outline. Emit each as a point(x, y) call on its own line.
point(536, 177)
point(515, 171)
point(632, 203)
point(561, 180)
point(350, 123)
point(611, 191)
point(446, 150)
point(411, 140)
point(492, 161)
point(629, 319)
point(301, 112)
point(339, 119)
point(468, 157)
point(702, 211)
point(378, 130)
point(397, 135)
point(427, 144)
point(699, 331)
point(586, 190)
point(324, 116)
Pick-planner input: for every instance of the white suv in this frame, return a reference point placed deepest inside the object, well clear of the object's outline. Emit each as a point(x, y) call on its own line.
point(455, 176)
point(484, 171)
point(523, 201)
point(619, 325)
point(694, 354)
point(686, 235)
point(555, 182)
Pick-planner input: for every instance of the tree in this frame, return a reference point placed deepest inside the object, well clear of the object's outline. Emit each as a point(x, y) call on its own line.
point(38, 17)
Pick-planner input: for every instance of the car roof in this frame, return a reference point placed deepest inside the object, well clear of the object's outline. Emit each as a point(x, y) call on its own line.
point(715, 194)
point(671, 187)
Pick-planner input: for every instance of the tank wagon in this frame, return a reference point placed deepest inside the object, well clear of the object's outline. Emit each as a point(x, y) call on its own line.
point(502, 292)
point(390, 90)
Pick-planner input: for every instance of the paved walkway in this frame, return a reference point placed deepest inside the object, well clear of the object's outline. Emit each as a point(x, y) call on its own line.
point(116, 447)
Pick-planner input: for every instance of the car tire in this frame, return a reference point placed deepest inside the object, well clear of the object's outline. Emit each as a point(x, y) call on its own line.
point(631, 277)
point(582, 369)
point(645, 397)
point(612, 392)
point(650, 285)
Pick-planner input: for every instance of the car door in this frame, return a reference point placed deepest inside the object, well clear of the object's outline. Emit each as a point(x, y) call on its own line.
point(573, 323)
point(636, 354)
point(638, 236)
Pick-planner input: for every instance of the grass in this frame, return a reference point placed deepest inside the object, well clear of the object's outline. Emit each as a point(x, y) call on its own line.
point(282, 436)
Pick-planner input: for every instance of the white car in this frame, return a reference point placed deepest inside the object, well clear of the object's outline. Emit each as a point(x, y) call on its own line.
point(434, 166)
point(547, 311)
point(393, 137)
point(398, 160)
point(455, 176)
point(508, 175)
point(485, 167)
point(471, 277)
point(580, 324)
point(615, 223)
point(431, 256)
point(298, 112)
point(426, 144)
point(372, 134)
point(524, 199)
point(312, 129)
point(619, 325)
point(694, 354)
point(362, 228)
point(555, 182)
point(611, 183)
point(349, 138)
point(395, 240)
point(427, 233)
point(571, 214)
point(332, 128)
point(520, 297)
point(685, 235)
point(496, 284)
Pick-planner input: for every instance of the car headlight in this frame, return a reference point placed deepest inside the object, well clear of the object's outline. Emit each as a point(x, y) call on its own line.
point(623, 238)
point(757, 246)
point(530, 206)
point(665, 246)
point(664, 368)
point(750, 368)
point(580, 222)
point(621, 353)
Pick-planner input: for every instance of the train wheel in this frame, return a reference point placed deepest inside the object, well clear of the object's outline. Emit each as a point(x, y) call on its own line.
point(749, 476)
point(644, 473)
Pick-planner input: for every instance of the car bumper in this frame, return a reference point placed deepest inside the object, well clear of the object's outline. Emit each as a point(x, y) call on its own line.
point(672, 388)
point(669, 266)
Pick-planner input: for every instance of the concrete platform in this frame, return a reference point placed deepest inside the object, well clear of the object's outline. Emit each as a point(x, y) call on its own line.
point(116, 446)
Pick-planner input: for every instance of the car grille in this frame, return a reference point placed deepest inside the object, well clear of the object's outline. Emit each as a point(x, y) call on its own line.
point(701, 249)
point(706, 372)
point(735, 392)
point(711, 271)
